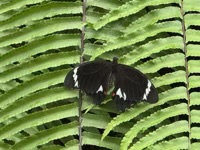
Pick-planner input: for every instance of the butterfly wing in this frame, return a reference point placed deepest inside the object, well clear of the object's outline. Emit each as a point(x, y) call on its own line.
point(132, 86)
point(92, 78)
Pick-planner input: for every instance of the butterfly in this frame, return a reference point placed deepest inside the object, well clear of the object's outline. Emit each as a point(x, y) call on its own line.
point(95, 77)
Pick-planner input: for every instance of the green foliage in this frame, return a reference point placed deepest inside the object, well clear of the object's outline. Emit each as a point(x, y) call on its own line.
point(40, 41)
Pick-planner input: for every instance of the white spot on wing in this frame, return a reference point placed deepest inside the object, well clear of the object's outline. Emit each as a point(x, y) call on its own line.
point(147, 91)
point(75, 76)
point(124, 95)
point(76, 84)
point(119, 93)
point(75, 70)
point(100, 89)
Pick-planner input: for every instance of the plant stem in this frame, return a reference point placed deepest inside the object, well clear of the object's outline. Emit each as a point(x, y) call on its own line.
point(81, 61)
point(187, 73)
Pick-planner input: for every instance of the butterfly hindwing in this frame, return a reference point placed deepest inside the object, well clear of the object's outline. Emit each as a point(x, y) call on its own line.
point(132, 86)
point(92, 78)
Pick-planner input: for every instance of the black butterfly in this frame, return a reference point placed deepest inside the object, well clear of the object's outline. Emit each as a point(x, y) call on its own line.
point(94, 78)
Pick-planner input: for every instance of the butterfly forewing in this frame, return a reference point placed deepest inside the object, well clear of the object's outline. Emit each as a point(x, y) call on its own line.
point(92, 78)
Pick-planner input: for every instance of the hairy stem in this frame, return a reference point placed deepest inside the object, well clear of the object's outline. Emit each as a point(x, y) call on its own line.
point(187, 72)
point(81, 61)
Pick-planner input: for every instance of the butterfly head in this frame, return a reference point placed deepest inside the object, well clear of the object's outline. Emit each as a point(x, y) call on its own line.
point(115, 59)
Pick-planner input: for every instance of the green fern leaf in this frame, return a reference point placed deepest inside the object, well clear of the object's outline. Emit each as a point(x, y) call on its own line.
point(160, 133)
point(177, 143)
point(94, 139)
point(38, 118)
point(152, 120)
point(34, 100)
point(47, 135)
point(37, 83)
point(126, 10)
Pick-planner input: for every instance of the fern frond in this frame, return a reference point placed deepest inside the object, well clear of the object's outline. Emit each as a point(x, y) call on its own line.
point(72, 145)
point(193, 66)
point(39, 45)
point(192, 35)
point(107, 35)
point(111, 4)
point(195, 98)
point(152, 17)
point(195, 114)
point(40, 40)
point(195, 145)
point(161, 133)
point(39, 118)
point(150, 48)
point(54, 25)
point(39, 12)
point(192, 19)
point(192, 50)
point(171, 60)
point(194, 82)
point(128, 9)
point(195, 132)
point(176, 143)
point(138, 36)
point(35, 38)
point(37, 83)
point(16, 4)
point(170, 78)
point(4, 146)
point(101, 121)
point(190, 5)
point(39, 63)
point(47, 135)
point(34, 100)
point(52, 147)
point(94, 139)
point(152, 120)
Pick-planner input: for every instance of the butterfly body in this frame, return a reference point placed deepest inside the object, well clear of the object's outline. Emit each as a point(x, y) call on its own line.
point(96, 77)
